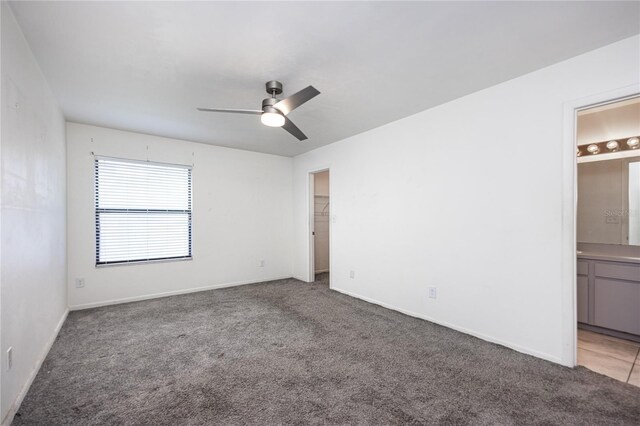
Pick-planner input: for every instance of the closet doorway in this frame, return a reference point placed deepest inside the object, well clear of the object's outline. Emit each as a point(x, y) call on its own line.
point(320, 226)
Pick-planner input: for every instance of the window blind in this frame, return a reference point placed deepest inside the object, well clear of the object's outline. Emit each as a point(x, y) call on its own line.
point(142, 211)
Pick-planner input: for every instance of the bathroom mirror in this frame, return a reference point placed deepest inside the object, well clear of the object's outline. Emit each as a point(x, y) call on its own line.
point(609, 202)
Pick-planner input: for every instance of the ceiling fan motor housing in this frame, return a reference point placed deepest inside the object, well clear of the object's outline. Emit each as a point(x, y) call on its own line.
point(274, 87)
point(268, 103)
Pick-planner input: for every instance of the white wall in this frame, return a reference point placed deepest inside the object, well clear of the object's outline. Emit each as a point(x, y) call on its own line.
point(618, 121)
point(466, 197)
point(32, 290)
point(242, 213)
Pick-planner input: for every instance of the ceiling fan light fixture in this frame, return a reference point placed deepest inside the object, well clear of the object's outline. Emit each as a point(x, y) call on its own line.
point(272, 119)
point(274, 110)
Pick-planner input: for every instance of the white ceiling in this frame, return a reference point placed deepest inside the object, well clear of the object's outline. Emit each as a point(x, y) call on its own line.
point(146, 66)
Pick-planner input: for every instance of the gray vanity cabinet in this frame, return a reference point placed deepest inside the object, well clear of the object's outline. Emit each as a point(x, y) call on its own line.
point(583, 299)
point(617, 297)
point(609, 295)
point(617, 305)
point(583, 291)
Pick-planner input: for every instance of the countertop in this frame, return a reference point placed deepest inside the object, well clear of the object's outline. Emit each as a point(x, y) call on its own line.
point(607, 256)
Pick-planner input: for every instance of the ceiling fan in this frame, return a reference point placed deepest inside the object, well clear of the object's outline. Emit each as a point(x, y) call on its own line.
point(274, 111)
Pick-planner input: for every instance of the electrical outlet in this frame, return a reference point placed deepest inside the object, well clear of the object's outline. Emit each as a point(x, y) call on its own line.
point(79, 282)
point(432, 293)
point(9, 358)
point(352, 274)
point(261, 263)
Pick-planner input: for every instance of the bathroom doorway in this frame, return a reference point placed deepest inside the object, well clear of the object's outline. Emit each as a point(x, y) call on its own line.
point(320, 226)
point(608, 238)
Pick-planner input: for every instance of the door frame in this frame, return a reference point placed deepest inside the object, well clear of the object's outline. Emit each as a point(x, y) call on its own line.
point(569, 213)
point(311, 222)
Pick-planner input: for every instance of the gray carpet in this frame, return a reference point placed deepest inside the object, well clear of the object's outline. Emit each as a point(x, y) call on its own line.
point(287, 352)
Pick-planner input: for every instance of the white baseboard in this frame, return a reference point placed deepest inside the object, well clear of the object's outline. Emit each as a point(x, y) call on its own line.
point(23, 392)
point(464, 330)
point(171, 293)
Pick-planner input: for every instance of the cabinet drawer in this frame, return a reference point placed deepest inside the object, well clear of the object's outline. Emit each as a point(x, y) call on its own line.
point(618, 271)
point(617, 305)
point(583, 267)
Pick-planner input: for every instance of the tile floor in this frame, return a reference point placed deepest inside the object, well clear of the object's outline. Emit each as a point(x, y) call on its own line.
point(610, 356)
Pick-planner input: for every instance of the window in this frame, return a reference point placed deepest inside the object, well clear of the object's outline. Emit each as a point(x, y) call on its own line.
point(143, 211)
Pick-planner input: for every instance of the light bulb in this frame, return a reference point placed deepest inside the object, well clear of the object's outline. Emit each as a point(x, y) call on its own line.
point(272, 119)
point(612, 145)
point(633, 143)
point(593, 148)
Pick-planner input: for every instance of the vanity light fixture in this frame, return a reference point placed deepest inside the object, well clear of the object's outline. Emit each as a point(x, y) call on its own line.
point(609, 147)
point(593, 148)
point(613, 146)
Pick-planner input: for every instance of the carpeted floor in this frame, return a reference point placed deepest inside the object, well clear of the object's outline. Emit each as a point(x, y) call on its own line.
point(287, 352)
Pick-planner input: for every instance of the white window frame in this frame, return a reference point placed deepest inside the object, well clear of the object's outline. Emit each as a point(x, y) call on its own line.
point(98, 211)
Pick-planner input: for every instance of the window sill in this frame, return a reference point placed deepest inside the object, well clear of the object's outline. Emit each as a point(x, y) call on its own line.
point(141, 262)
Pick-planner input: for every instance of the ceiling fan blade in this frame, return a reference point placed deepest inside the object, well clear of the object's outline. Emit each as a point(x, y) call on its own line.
point(236, 111)
point(293, 129)
point(294, 101)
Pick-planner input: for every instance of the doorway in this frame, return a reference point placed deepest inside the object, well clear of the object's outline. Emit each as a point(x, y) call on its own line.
point(320, 227)
point(608, 238)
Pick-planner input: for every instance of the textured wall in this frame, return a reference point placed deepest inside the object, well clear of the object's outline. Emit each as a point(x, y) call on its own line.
point(32, 150)
point(241, 214)
point(466, 197)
